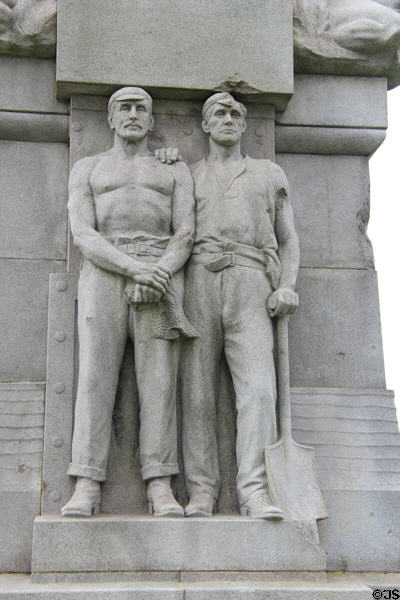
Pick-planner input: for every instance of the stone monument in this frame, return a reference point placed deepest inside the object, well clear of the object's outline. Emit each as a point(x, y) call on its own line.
point(313, 76)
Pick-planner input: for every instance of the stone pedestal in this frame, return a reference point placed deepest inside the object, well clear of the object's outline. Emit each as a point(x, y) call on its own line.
point(144, 543)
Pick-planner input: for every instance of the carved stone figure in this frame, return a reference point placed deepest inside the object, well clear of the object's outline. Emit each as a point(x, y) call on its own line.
point(357, 37)
point(28, 26)
point(132, 218)
point(245, 259)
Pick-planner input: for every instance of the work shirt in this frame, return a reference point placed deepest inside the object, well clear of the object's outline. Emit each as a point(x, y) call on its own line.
point(243, 211)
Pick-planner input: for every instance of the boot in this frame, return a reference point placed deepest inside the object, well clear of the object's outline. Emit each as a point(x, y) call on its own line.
point(259, 507)
point(200, 505)
point(86, 499)
point(161, 499)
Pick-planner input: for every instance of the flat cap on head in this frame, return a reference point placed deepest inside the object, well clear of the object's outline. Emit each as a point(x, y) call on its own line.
point(130, 93)
point(224, 98)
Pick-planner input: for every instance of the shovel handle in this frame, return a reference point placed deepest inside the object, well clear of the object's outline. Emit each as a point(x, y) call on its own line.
point(285, 418)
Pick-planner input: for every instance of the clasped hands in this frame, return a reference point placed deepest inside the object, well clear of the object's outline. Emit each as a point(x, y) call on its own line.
point(284, 301)
point(151, 282)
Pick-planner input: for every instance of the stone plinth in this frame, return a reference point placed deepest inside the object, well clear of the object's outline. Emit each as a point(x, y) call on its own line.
point(144, 543)
point(225, 586)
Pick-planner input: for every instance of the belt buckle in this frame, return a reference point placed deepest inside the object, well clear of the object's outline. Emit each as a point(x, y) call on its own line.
point(142, 249)
point(232, 258)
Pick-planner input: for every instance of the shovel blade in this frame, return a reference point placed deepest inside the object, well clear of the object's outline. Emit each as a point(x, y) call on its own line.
point(293, 482)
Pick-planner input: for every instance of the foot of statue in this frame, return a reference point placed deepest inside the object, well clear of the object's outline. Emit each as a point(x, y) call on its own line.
point(161, 499)
point(200, 505)
point(258, 507)
point(86, 499)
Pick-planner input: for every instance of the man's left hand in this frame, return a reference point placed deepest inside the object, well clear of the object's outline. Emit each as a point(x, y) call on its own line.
point(284, 301)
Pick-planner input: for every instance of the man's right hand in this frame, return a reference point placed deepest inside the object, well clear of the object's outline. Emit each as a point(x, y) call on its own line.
point(155, 276)
point(168, 155)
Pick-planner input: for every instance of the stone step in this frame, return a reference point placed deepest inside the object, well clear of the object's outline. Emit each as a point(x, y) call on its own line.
point(20, 587)
point(144, 543)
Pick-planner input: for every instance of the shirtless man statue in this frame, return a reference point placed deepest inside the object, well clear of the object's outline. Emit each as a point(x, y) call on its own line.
point(242, 272)
point(132, 218)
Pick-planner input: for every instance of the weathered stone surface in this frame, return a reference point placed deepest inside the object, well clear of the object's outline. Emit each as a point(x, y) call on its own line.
point(289, 592)
point(61, 347)
point(14, 587)
point(327, 101)
point(34, 217)
point(355, 434)
point(363, 530)
point(211, 47)
point(328, 140)
point(33, 127)
point(29, 85)
point(21, 449)
point(338, 37)
point(330, 196)
point(23, 340)
point(125, 543)
point(335, 338)
point(356, 438)
point(28, 27)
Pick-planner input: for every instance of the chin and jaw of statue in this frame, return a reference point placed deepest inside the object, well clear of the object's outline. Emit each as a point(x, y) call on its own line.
point(224, 121)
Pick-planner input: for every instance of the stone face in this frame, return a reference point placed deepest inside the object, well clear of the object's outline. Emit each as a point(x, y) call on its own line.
point(23, 342)
point(363, 530)
point(34, 181)
point(112, 543)
point(331, 209)
point(337, 101)
point(21, 450)
point(29, 85)
point(210, 45)
point(335, 338)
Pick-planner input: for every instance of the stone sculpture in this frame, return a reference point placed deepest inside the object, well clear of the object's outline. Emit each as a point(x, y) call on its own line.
point(245, 256)
point(28, 27)
point(361, 36)
point(123, 205)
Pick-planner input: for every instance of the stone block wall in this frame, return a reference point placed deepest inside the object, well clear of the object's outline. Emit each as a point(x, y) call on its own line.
point(33, 244)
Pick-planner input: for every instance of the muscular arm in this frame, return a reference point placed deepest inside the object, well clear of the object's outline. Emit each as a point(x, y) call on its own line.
point(183, 220)
point(94, 246)
point(288, 243)
point(284, 300)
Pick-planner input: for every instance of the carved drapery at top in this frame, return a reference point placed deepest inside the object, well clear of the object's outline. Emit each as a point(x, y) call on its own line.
point(28, 27)
point(361, 37)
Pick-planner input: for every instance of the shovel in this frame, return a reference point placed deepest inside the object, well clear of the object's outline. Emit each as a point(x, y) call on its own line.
point(291, 467)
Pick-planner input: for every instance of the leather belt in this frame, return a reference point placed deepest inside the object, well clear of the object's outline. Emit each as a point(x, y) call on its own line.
point(216, 257)
point(128, 245)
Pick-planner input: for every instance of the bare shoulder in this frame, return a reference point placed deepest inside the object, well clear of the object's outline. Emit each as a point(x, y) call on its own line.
point(83, 167)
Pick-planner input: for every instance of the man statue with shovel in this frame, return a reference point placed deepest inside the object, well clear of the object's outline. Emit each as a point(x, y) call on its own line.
point(241, 274)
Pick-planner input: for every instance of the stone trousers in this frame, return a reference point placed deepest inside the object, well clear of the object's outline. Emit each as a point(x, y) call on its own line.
point(228, 308)
point(105, 321)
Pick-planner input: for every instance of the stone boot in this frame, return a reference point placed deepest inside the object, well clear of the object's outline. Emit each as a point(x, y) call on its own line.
point(258, 507)
point(200, 505)
point(85, 501)
point(161, 499)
